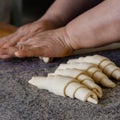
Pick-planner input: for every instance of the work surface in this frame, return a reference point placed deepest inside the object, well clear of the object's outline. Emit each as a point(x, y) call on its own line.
point(21, 101)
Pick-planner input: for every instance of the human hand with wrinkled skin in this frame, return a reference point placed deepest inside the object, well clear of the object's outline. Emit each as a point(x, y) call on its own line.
point(93, 28)
point(8, 43)
point(53, 43)
point(25, 32)
point(50, 43)
point(58, 15)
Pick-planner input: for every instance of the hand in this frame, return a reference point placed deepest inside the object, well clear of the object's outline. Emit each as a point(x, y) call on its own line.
point(8, 43)
point(53, 43)
point(24, 32)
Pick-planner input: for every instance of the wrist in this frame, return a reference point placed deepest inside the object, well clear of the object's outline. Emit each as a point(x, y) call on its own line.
point(53, 19)
point(78, 38)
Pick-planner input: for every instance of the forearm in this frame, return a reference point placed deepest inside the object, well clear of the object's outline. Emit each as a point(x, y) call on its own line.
point(62, 11)
point(98, 26)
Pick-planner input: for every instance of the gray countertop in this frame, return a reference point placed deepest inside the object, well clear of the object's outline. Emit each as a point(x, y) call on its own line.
point(22, 101)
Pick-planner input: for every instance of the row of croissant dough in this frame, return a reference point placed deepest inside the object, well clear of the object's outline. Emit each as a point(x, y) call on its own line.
point(79, 78)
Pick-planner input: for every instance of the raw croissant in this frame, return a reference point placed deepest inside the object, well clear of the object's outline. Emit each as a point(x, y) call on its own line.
point(82, 77)
point(92, 70)
point(65, 86)
point(78, 78)
point(104, 63)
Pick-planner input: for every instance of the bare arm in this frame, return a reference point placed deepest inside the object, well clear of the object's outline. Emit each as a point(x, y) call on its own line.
point(62, 11)
point(58, 15)
point(98, 26)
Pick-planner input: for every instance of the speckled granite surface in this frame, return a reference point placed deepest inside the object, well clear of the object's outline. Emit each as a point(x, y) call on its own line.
point(21, 101)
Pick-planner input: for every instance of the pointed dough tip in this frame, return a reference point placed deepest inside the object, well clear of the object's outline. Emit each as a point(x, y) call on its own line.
point(92, 100)
point(36, 79)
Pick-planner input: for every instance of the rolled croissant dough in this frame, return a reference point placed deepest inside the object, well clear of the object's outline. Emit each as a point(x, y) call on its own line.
point(76, 78)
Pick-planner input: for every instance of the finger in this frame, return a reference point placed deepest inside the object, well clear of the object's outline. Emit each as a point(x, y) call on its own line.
point(32, 52)
point(31, 38)
point(3, 51)
point(3, 40)
point(12, 41)
point(27, 37)
point(8, 51)
point(5, 56)
point(28, 41)
point(22, 47)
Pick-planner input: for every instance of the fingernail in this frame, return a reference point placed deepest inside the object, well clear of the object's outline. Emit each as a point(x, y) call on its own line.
point(17, 54)
point(5, 46)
